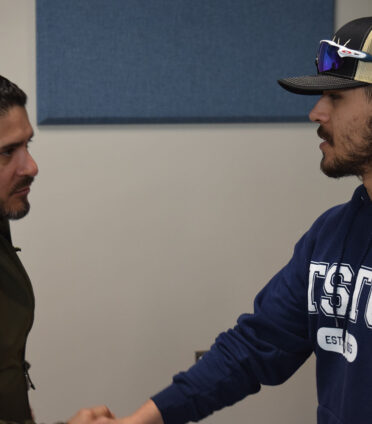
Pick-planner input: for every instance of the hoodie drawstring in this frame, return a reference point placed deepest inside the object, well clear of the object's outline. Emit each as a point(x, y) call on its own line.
point(338, 278)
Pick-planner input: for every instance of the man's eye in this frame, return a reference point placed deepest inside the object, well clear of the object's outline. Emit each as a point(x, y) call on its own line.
point(8, 152)
point(334, 96)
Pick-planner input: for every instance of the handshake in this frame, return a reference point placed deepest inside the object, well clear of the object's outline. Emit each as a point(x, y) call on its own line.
point(147, 414)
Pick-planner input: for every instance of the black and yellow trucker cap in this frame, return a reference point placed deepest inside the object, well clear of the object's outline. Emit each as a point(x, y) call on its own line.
point(357, 35)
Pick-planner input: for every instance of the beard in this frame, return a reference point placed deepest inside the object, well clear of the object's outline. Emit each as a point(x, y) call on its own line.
point(16, 210)
point(14, 213)
point(356, 160)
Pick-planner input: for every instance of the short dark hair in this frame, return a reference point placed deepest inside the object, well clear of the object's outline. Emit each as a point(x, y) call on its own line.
point(10, 95)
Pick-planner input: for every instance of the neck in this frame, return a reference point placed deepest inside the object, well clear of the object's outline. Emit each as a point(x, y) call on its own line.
point(367, 181)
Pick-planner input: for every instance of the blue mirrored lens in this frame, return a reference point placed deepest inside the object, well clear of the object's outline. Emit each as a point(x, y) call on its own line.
point(328, 58)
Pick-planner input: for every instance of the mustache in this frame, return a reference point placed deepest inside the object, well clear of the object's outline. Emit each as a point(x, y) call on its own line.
point(24, 182)
point(322, 133)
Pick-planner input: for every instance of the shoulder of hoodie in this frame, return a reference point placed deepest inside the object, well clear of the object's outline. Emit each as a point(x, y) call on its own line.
point(332, 216)
point(324, 227)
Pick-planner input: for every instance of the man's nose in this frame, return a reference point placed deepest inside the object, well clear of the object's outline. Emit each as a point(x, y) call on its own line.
point(28, 166)
point(320, 112)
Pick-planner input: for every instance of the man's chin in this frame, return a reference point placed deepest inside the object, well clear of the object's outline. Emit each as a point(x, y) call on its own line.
point(14, 213)
point(18, 214)
point(332, 173)
point(336, 168)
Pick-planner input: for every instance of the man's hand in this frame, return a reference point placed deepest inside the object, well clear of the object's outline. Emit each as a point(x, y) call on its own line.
point(148, 413)
point(88, 415)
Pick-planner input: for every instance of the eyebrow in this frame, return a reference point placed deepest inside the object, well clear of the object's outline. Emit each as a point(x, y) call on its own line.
point(15, 144)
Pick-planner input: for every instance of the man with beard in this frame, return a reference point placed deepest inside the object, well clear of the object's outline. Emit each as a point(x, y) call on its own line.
point(321, 301)
point(17, 172)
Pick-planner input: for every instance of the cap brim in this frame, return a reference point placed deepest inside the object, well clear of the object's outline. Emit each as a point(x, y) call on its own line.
point(316, 84)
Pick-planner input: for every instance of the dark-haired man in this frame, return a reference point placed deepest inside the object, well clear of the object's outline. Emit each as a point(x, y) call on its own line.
point(322, 300)
point(17, 172)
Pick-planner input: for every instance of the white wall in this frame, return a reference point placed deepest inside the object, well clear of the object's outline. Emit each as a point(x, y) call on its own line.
point(144, 242)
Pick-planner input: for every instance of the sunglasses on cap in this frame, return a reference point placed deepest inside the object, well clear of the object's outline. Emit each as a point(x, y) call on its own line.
point(330, 56)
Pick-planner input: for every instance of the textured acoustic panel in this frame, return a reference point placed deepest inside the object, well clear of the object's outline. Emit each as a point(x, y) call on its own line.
point(145, 61)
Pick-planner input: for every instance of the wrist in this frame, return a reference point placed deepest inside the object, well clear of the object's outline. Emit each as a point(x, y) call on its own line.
point(148, 413)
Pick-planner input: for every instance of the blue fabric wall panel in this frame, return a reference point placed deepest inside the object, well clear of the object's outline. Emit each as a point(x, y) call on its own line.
point(121, 61)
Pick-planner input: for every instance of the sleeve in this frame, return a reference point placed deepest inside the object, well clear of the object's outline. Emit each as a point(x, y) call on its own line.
point(265, 347)
point(16, 422)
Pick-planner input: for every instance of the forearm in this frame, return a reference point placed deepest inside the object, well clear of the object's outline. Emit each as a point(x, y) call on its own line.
point(148, 413)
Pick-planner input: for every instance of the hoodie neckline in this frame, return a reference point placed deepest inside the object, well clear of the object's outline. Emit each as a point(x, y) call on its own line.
point(361, 195)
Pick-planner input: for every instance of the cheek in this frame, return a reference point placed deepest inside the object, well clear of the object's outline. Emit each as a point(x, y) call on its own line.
point(347, 133)
point(5, 183)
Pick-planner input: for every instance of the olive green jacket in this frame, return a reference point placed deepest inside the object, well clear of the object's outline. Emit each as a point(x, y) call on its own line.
point(16, 317)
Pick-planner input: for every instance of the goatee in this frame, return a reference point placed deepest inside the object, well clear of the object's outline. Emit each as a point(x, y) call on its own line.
point(23, 207)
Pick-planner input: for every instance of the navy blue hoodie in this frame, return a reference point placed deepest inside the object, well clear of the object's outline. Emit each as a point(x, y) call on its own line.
point(321, 302)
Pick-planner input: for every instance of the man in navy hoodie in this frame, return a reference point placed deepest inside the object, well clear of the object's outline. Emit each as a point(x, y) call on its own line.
point(321, 301)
